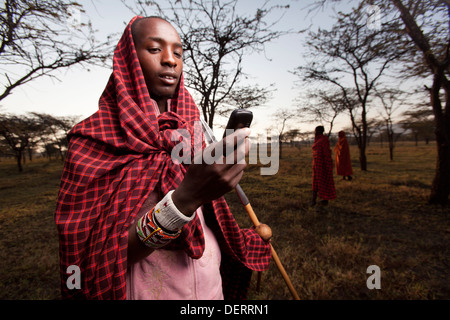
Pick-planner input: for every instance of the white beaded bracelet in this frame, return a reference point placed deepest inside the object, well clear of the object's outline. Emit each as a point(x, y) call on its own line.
point(162, 223)
point(169, 217)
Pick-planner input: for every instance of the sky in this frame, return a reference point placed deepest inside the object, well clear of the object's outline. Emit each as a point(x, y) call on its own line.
point(78, 90)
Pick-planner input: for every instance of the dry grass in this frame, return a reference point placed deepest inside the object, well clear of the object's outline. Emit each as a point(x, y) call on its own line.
point(381, 218)
point(28, 238)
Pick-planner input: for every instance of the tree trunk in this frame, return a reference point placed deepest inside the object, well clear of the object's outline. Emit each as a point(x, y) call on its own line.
point(391, 145)
point(281, 147)
point(440, 189)
point(362, 150)
point(363, 158)
point(19, 161)
point(30, 153)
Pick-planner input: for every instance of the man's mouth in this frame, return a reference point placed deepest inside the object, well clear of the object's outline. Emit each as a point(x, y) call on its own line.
point(168, 79)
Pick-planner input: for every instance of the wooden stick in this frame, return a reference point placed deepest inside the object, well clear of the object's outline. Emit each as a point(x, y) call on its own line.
point(254, 219)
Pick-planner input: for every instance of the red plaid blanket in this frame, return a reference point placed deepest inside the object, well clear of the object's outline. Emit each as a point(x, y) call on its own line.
point(115, 159)
point(323, 181)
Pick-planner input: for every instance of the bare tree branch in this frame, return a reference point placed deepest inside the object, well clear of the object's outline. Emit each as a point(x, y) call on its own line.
point(216, 37)
point(39, 37)
point(352, 58)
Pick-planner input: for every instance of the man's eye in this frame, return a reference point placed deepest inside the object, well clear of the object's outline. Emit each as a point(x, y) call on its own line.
point(178, 54)
point(154, 50)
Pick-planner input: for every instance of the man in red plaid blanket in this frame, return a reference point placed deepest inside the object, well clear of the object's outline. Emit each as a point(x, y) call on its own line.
point(134, 222)
point(323, 182)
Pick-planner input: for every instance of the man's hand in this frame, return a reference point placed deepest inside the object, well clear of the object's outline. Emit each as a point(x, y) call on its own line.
point(205, 182)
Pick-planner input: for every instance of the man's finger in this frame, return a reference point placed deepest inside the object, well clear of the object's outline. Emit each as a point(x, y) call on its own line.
point(234, 141)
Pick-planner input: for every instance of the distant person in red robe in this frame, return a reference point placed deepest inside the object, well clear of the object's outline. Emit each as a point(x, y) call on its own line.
point(343, 162)
point(323, 183)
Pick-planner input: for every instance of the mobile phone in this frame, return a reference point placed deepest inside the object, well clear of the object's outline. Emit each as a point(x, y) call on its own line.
point(239, 118)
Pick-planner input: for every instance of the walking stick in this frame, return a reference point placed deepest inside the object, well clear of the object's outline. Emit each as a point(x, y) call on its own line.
point(210, 138)
point(246, 203)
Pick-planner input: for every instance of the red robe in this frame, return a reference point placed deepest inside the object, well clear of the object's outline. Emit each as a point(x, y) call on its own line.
point(323, 182)
point(115, 159)
point(342, 152)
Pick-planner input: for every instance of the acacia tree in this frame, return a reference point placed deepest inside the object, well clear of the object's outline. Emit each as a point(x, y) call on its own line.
point(419, 122)
point(16, 132)
point(38, 37)
point(323, 106)
point(281, 117)
point(55, 130)
point(216, 37)
point(351, 58)
point(391, 100)
point(427, 23)
point(245, 97)
point(291, 135)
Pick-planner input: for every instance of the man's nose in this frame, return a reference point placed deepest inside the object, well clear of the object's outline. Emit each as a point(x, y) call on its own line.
point(168, 58)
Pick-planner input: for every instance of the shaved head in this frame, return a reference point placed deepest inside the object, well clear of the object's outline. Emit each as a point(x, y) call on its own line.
point(320, 130)
point(136, 27)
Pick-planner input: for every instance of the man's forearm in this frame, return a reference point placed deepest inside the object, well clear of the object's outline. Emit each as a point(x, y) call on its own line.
point(136, 249)
point(154, 228)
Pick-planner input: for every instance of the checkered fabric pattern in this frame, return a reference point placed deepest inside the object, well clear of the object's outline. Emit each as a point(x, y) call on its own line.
point(342, 152)
point(115, 159)
point(323, 181)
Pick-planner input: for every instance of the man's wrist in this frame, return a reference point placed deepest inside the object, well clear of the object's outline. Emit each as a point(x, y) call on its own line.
point(162, 224)
point(169, 216)
point(184, 202)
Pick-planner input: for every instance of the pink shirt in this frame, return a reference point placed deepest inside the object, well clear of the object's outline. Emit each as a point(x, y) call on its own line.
point(173, 275)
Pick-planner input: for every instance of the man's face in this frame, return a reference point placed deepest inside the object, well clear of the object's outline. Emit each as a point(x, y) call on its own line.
point(160, 53)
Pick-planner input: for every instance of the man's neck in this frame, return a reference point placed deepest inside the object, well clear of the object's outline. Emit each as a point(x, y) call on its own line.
point(162, 105)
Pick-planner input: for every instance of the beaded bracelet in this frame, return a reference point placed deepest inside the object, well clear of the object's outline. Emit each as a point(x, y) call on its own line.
point(151, 234)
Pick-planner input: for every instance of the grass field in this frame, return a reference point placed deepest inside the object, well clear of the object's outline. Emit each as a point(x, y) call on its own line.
point(379, 218)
